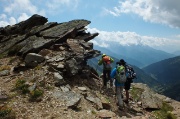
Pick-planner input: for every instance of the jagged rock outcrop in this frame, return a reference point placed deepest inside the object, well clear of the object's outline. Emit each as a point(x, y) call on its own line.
point(67, 43)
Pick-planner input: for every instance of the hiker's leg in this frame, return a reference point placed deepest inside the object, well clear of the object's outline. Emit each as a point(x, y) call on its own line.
point(121, 89)
point(127, 95)
point(119, 95)
point(109, 78)
point(108, 75)
point(127, 87)
point(105, 78)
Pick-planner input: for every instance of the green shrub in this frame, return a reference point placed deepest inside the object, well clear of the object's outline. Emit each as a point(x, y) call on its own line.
point(36, 94)
point(4, 112)
point(7, 113)
point(2, 56)
point(22, 86)
point(93, 112)
point(136, 93)
point(5, 67)
point(39, 67)
point(164, 112)
point(171, 116)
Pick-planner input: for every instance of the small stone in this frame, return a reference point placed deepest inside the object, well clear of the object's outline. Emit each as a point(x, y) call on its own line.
point(82, 88)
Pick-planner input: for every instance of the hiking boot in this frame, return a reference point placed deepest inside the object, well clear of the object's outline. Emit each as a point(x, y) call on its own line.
point(126, 101)
point(122, 96)
point(104, 87)
point(121, 108)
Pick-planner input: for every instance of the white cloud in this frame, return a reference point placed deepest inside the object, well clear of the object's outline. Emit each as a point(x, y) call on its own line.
point(105, 39)
point(12, 20)
point(3, 23)
point(3, 17)
point(17, 11)
point(101, 44)
point(157, 11)
point(18, 6)
point(56, 6)
point(23, 17)
point(177, 36)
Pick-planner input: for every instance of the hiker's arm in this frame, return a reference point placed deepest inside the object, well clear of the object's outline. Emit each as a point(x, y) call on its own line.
point(112, 60)
point(113, 73)
point(100, 62)
point(134, 75)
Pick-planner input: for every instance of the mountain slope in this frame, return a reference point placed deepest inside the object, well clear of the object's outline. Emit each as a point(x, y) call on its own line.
point(167, 72)
point(173, 91)
point(119, 55)
point(138, 55)
point(177, 53)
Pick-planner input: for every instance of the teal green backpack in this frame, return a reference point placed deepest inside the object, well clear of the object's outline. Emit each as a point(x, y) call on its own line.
point(121, 74)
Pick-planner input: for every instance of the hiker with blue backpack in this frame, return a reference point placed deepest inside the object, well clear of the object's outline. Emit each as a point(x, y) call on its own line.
point(119, 74)
point(106, 62)
point(130, 74)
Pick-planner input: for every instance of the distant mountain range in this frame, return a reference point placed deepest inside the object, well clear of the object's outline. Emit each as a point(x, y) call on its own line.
point(137, 55)
point(177, 53)
point(168, 73)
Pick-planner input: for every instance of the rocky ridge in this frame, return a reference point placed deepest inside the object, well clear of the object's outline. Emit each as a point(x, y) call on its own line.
point(44, 75)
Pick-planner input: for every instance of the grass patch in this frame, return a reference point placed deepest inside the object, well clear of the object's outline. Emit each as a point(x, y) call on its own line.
point(107, 99)
point(136, 93)
point(49, 87)
point(5, 67)
point(6, 113)
point(39, 67)
point(164, 112)
point(22, 86)
point(93, 112)
point(77, 109)
point(35, 94)
point(2, 56)
point(12, 59)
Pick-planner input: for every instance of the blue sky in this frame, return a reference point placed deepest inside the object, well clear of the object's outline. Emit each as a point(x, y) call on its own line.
point(155, 23)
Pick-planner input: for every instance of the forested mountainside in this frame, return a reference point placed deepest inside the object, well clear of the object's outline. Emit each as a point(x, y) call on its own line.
point(167, 73)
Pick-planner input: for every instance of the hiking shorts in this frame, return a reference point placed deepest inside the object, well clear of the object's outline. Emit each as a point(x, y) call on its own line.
point(127, 84)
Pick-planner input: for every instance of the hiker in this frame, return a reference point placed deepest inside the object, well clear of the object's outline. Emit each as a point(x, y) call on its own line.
point(119, 74)
point(106, 62)
point(130, 76)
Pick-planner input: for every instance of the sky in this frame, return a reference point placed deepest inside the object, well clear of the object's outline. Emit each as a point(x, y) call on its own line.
point(154, 23)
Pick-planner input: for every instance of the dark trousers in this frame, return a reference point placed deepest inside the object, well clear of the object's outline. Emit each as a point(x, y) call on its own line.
point(106, 76)
point(127, 84)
